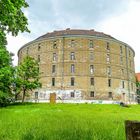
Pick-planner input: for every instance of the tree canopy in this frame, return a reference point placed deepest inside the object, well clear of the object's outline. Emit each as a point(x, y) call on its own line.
point(27, 76)
point(12, 20)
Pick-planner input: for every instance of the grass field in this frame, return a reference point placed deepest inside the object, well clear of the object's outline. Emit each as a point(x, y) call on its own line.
point(65, 121)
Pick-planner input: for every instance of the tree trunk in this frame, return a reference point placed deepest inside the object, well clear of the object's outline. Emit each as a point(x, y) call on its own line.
point(16, 96)
point(23, 97)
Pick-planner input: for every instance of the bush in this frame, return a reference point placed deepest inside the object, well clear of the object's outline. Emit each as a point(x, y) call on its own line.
point(5, 99)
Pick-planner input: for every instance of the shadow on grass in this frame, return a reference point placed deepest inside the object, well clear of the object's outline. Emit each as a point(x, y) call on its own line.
point(30, 136)
point(25, 103)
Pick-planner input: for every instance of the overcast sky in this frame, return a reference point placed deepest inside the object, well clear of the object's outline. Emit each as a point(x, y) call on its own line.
point(119, 18)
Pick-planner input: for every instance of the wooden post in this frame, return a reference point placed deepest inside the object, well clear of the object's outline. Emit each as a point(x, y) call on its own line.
point(53, 98)
point(132, 130)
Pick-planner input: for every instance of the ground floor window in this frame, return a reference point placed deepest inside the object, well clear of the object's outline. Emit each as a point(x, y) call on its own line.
point(72, 94)
point(110, 95)
point(92, 94)
point(123, 97)
point(36, 95)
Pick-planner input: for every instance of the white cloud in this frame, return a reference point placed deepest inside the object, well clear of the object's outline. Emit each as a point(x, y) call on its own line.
point(118, 18)
point(126, 28)
point(14, 43)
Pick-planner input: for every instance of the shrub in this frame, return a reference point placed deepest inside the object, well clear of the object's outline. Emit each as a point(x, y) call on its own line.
point(5, 99)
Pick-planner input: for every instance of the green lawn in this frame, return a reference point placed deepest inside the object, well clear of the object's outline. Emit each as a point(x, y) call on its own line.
point(65, 121)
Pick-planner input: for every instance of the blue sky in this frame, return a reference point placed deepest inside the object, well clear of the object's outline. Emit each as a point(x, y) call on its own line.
point(119, 18)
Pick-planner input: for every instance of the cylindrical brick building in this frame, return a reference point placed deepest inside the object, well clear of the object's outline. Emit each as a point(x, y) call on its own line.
point(83, 65)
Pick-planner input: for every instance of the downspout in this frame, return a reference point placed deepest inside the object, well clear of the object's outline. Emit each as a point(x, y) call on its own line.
point(126, 51)
point(62, 74)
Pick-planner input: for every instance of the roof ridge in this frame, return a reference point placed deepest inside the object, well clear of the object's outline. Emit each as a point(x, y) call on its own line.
point(69, 31)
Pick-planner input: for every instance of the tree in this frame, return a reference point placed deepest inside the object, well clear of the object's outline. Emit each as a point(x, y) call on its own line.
point(12, 20)
point(16, 83)
point(138, 91)
point(27, 76)
point(6, 72)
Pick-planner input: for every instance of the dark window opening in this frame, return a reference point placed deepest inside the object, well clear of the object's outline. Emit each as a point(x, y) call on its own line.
point(110, 95)
point(123, 84)
point(72, 94)
point(92, 94)
point(109, 82)
point(39, 47)
point(92, 81)
point(53, 81)
point(107, 47)
point(54, 45)
point(72, 81)
point(53, 68)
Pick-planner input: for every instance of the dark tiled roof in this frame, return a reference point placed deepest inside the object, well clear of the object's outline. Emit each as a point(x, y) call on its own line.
point(74, 32)
point(138, 77)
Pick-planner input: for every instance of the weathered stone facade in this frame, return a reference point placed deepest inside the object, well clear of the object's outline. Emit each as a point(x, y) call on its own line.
point(83, 64)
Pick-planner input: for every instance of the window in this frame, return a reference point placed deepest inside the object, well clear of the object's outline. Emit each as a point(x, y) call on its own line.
point(53, 68)
point(109, 82)
point(72, 56)
point(91, 69)
point(121, 59)
point(123, 84)
point(72, 94)
point(92, 81)
point(54, 45)
point(108, 70)
point(72, 68)
point(110, 95)
point(108, 58)
point(72, 43)
point(39, 47)
point(38, 58)
point(36, 95)
point(91, 44)
point(72, 81)
point(123, 96)
point(91, 56)
point(92, 94)
point(129, 53)
point(107, 47)
point(121, 50)
point(54, 57)
point(53, 81)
